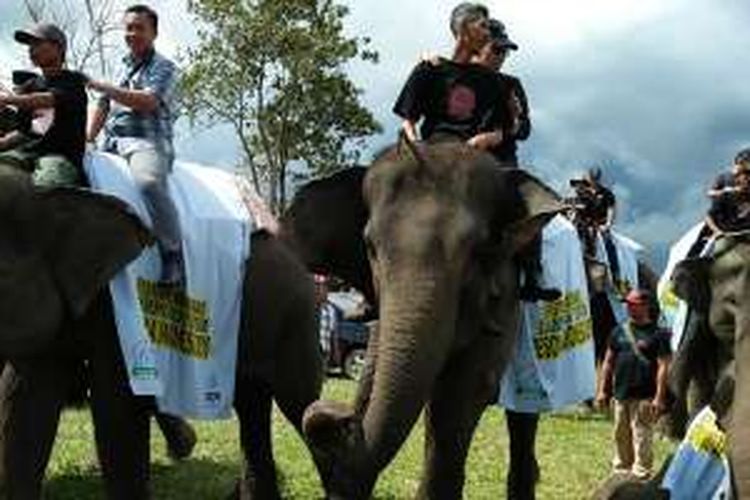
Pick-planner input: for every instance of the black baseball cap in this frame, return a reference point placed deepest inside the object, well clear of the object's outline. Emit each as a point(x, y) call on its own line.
point(499, 35)
point(42, 32)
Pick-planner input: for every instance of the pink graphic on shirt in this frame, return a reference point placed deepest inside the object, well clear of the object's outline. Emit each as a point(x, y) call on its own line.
point(461, 102)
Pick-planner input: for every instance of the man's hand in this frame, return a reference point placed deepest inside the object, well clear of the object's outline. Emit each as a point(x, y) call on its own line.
point(602, 401)
point(657, 407)
point(486, 140)
point(97, 85)
point(4, 99)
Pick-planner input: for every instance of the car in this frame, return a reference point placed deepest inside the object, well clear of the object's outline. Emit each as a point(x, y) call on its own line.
point(349, 348)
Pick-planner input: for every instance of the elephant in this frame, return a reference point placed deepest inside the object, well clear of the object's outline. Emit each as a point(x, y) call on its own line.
point(710, 365)
point(440, 225)
point(59, 248)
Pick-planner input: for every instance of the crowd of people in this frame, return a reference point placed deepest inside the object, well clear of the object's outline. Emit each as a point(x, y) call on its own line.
point(466, 96)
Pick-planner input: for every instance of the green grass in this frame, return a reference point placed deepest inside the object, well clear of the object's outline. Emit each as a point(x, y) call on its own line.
point(574, 453)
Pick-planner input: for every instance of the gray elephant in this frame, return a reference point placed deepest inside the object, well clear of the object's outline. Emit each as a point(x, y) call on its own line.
point(443, 224)
point(711, 364)
point(58, 250)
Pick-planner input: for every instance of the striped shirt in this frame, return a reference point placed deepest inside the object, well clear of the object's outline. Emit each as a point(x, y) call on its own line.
point(158, 75)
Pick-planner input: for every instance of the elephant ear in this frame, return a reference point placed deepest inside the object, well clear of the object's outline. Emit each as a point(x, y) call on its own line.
point(325, 224)
point(86, 238)
point(690, 279)
point(538, 205)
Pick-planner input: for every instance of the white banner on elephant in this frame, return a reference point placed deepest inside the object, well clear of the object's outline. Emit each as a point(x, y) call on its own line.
point(182, 347)
point(674, 311)
point(700, 466)
point(554, 362)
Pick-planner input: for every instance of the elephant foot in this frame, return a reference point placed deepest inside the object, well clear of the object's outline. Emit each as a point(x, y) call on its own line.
point(336, 440)
point(244, 491)
point(179, 434)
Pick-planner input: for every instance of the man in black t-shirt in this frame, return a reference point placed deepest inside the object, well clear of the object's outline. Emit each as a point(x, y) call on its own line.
point(638, 359)
point(456, 100)
point(53, 147)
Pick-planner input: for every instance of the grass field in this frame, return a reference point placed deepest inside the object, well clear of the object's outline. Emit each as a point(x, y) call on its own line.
point(573, 450)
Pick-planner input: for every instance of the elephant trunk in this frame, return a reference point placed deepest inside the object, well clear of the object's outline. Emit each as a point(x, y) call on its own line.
point(415, 334)
point(415, 337)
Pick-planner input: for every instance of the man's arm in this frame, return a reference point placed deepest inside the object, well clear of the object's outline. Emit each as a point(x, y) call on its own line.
point(11, 140)
point(96, 122)
point(143, 101)
point(659, 402)
point(604, 392)
point(410, 104)
point(520, 111)
point(486, 140)
point(32, 101)
point(410, 130)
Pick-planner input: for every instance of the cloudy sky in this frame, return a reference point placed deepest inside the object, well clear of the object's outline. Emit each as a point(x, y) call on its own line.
point(655, 91)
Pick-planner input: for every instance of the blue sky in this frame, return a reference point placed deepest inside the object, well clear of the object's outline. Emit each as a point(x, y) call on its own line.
point(655, 91)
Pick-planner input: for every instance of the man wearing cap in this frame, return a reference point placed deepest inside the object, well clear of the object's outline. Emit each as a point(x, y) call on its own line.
point(493, 56)
point(53, 153)
point(139, 112)
point(638, 360)
point(730, 196)
point(456, 99)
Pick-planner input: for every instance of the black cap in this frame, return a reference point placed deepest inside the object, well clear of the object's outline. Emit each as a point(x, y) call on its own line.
point(44, 32)
point(499, 35)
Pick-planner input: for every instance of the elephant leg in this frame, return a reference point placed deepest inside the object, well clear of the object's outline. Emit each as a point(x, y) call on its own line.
point(457, 402)
point(178, 433)
point(32, 395)
point(298, 374)
point(523, 472)
point(253, 406)
point(121, 420)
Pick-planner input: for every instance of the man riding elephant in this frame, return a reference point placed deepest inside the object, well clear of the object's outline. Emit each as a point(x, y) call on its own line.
point(139, 112)
point(429, 280)
point(53, 145)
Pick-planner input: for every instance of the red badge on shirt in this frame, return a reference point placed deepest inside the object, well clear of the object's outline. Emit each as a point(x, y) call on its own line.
point(461, 102)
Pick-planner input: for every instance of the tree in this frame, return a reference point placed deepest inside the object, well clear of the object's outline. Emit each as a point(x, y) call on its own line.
point(88, 25)
point(274, 71)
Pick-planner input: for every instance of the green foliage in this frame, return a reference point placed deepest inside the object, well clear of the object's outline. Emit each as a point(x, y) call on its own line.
point(274, 70)
point(574, 452)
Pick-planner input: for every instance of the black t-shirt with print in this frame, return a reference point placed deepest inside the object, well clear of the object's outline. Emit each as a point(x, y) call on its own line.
point(636, 364)
point(67, 135)
point(458, 100)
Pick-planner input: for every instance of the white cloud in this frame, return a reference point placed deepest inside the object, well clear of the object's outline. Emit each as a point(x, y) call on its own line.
point(656, 89)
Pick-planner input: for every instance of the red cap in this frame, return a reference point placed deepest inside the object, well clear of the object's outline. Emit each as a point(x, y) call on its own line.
point(636, 296)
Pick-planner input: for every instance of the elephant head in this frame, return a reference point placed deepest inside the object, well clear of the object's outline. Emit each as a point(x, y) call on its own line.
point(444, 224)
point(58, 249)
